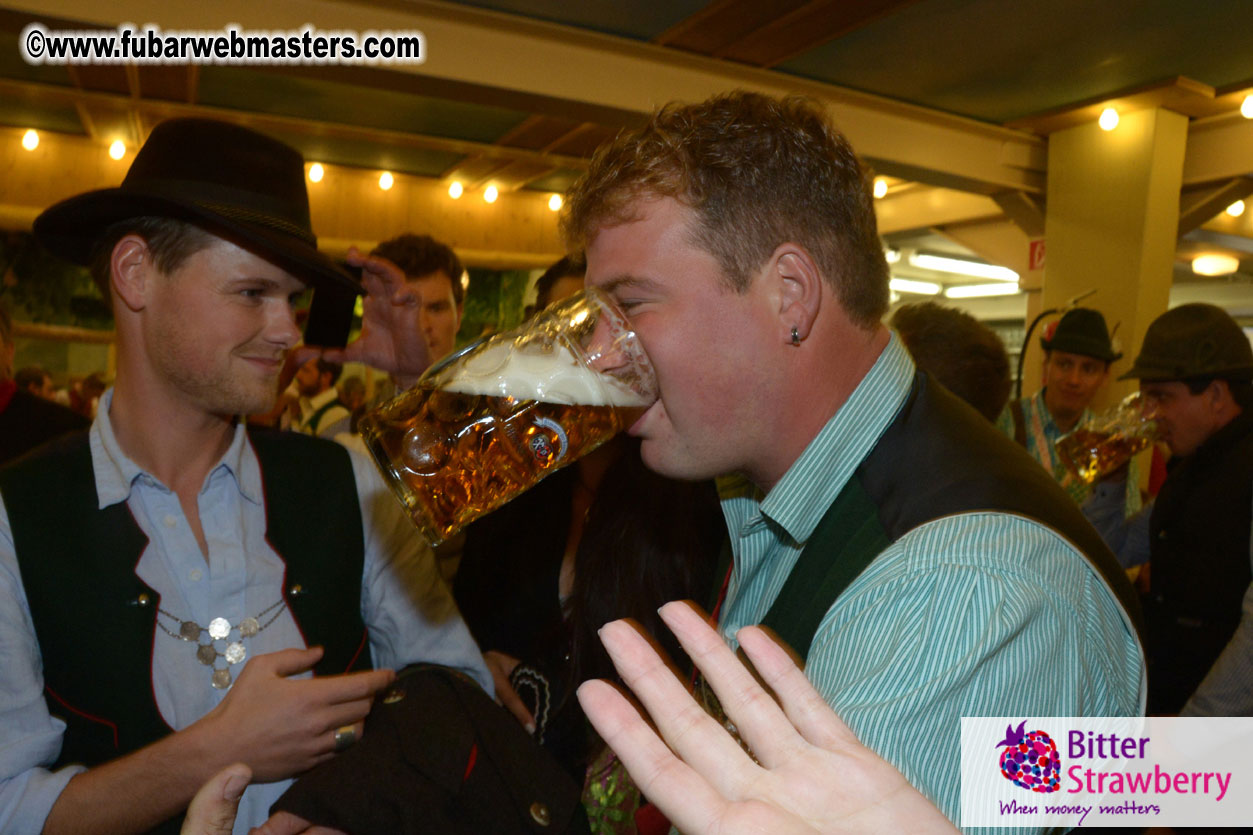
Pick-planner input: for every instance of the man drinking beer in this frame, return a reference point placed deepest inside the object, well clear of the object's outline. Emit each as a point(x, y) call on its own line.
point(918, 560)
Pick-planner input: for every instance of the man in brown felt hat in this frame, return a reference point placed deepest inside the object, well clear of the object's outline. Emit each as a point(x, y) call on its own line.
point(1077, 357)
point(1194, 370)
point(169, 580)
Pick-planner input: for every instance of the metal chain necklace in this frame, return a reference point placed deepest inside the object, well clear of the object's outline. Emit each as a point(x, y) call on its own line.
point(219, 629)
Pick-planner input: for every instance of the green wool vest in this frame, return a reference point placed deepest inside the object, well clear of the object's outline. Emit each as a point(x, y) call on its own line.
point(96, 620)
point(937, 458)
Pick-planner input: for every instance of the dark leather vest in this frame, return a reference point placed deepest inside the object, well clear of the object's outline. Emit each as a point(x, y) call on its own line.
point(96, 620)
point(937, 458)
point(1199, 551)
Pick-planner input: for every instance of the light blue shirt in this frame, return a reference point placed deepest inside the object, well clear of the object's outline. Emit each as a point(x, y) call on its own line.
point(975, 614)
point(406, 606)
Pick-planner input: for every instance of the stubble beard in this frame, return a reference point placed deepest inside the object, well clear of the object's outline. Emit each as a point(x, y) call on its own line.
point(231, 387)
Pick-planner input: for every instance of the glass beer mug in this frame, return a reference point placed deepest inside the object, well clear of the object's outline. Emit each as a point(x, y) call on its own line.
point(487, 422)
point(1104, 442)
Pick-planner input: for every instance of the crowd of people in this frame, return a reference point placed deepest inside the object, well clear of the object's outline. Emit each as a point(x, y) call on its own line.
point(855, 508)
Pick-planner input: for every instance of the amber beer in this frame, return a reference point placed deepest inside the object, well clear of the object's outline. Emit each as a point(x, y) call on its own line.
point(1091, 455)
point(1105, 442)
point(488, 423)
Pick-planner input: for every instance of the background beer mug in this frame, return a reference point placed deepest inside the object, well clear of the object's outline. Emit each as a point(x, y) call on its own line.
point(488, 422)
point(1106, 441)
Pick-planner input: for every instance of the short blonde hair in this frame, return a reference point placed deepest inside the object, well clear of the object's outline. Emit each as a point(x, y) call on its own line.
point(757, 171)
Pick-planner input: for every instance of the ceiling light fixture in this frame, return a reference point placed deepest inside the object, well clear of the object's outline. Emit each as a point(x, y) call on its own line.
point(1246, 107)
point(316, 172)
point(490, 194)
point(1236, 209)
point(880, 187)
point(30, 139)
point(974, 291)
point(922, 288)
point(892, 255)
point(960, 266)
point(386, 180)
point(456, 189)
point(118, 149)
point(1215, 265)
point(1109, 119)
point(555, 203)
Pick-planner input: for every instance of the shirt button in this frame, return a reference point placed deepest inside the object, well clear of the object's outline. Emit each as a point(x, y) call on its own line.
point(169, 521)
point(195, 574)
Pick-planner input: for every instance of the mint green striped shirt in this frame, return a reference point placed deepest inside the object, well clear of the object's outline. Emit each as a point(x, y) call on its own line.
point(976, 614)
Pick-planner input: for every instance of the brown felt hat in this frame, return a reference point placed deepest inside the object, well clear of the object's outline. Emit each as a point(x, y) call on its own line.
point(236, 183)
point(1191, 341)
point(1082, 331)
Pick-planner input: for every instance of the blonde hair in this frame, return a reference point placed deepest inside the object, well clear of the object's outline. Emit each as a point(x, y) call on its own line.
point(757, 172)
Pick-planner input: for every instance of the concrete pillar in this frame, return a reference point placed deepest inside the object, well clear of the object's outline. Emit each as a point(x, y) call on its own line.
point(1111, 223)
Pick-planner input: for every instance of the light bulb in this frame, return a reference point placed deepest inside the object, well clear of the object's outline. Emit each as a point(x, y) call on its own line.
point(316, 172)
point(386, 180)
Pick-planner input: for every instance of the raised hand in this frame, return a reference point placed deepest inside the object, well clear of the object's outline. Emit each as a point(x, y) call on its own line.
point(812, 775)
point(280, 726)
point(391, 336)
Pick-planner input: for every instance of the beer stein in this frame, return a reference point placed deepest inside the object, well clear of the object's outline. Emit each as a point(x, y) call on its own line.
point(486, 423)
point(1106, 441)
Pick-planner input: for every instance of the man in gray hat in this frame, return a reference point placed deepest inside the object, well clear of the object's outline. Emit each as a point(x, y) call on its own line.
point(1194, 370)
point(1077, 357)
point(170, 580)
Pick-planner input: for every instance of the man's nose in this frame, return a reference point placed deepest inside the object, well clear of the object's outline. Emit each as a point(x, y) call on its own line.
point(282, 329)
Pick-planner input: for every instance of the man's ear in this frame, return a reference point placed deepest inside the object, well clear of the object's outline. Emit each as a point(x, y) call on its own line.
point(131, 271)
point(800, 291)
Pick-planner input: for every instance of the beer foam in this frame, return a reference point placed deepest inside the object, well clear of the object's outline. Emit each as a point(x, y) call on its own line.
point(555, 377)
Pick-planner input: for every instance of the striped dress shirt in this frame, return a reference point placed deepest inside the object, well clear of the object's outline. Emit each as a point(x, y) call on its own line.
point(975, 614)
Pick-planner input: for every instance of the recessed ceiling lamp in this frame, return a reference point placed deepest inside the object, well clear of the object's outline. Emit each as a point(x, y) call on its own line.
point(880, 187)
point(1246, 107)
point(30, 139)
point(555, 203)
point(1236, 209)
point(386, 180)
point(922, 288)
point(316, 173)
point(973, 291)
point(118, 149)
point(490, 194)
point(960, 266)
point(1215, 265)
point(1109, 119)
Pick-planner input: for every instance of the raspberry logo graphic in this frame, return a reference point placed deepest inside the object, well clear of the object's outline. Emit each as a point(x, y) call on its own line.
point(1030, 759)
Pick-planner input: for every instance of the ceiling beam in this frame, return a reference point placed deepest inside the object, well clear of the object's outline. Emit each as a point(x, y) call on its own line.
point(521, 59)
point(920, 208)
point(153, 111)
point(1219, 149)
point(1197, 208)
point(1025, 210)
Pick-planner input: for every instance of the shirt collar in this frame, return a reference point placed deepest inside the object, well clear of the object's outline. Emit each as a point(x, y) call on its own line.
point(799, 500)
point(116, 473)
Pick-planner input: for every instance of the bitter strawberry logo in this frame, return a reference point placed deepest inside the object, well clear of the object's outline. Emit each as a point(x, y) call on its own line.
point(1030, 759)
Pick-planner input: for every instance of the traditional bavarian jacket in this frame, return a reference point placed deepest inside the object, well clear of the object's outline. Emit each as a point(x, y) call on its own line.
point(97, 562)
